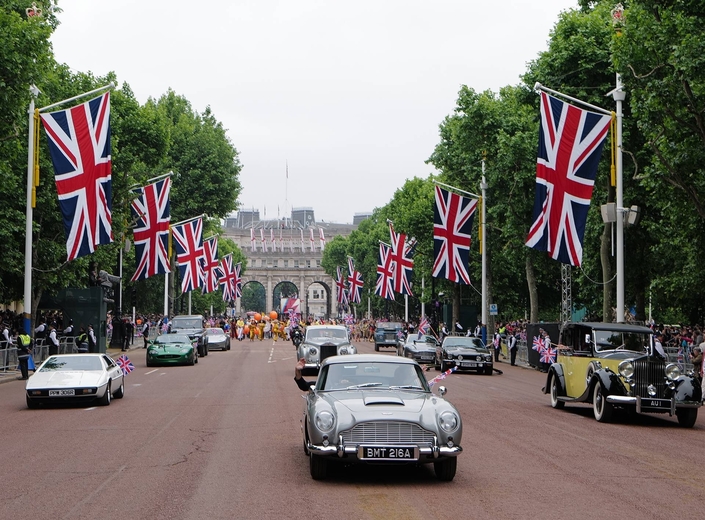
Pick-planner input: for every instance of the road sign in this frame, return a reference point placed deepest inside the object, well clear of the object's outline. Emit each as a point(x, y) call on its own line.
point(493, 309)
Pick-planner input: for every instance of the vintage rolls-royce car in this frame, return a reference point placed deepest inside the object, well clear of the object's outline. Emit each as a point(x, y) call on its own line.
point(321, 342)
point(371, 408)
point(421, 350)
point(615, 366)
point(464, 353)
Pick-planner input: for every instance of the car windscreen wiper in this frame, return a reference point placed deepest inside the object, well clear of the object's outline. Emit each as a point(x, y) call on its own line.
point(406, 387)
point(363, 385)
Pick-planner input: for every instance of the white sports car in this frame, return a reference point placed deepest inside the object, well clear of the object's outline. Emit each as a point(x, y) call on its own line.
point(76, 378)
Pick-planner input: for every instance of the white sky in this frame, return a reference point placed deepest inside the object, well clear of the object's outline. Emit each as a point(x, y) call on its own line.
point(349, 93)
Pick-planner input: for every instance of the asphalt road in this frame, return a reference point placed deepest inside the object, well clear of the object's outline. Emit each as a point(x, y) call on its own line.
point(222, 440)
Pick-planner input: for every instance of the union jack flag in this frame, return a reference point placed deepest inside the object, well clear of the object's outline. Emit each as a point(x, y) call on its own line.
point(349, 319)
point(125, 364)
point(272, 240)
point(452, 228)
point(548, 355)
point(402, 253)
point(342, 288)
point(210, 266)
point(151, 234)
point(79, 143)
point(424, 326)
point(385, 272)
point(313, 244)
point(355, 281)
point(537, 344)
point(570, 145)
point(264, 242)
point(188, 240)
point(253, 242)
point(442, 376)
point(231, 280)
point(303, 244)
point(321, 238)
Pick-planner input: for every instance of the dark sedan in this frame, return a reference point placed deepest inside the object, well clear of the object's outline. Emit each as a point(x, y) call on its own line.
point(464, 353)
point(422, 350)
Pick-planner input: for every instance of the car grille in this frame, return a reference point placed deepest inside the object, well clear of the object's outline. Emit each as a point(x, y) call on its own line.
point(328, 351)
point(390, 336)
point(649, 372)
point(387, 432)
point(169, 356)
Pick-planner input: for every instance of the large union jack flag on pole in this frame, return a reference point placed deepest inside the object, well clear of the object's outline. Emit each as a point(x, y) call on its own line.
point(570, 145)
point(79, 143)
point(355, 281)
point(452, 228)
point(151, 233)
point(210, 265)
point(385, 272)
point(342, 287)
point(231, 280)
point(188, 241)
point(403, 264)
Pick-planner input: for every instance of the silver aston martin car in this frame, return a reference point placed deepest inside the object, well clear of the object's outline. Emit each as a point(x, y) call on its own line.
point(321, 342)
point(374, 408)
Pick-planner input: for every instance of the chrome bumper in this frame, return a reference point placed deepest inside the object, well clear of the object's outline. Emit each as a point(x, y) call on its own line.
point(424, 451)
point(637, 402)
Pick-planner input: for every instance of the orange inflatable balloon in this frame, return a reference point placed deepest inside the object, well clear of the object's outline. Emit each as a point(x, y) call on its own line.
point(258, 316)
point(273, 315)
point(246, 329)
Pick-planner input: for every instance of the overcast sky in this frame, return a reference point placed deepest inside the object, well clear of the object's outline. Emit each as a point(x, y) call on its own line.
point(349, 93)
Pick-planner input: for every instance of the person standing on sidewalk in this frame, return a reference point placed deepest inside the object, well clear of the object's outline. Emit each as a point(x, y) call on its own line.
point(92, 342)
point(53, 341)
point(24, 350)
point(512, 348)
point(145, 332)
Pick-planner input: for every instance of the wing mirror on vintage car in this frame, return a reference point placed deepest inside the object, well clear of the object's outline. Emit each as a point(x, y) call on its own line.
point(588, 339)
point(442, 390)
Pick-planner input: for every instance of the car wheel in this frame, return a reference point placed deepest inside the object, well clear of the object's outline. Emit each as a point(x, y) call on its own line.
point(306, 452)
point(445, 469)
point(555, 402)
point(687, 417)
point(489, 371)
point(376, 347)
point(444, 367)
point(318, 466)
point(120, 392)
point(601, 408)
point(149, 363)
point(31, 404)
point(105, 400)
point(192, 361)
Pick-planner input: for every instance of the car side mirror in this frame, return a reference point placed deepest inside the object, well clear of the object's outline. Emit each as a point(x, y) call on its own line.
point(442, 390)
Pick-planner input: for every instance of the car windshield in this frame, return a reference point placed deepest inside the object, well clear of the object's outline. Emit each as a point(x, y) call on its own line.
point(213, 332)
point(613, 339)
point(389, 326)
point(186, 323)
point(462, 342)
point(71, 363)
point(321, 335)
point(172, 338)
point(375, 375)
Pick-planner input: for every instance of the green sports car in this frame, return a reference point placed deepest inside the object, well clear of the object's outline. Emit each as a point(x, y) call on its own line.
point(171, 349)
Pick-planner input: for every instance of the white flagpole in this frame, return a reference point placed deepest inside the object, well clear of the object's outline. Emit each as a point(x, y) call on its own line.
point(34, 91)
point(619, 95)
point(483, 245)
point(166, 293)
point(423, 305)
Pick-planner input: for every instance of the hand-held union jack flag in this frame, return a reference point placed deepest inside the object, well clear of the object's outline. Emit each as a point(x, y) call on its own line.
point(452, 228)
point(570, 145)
point(355, 281)
point(188, 241)
point(210, 265)
point(125, 364)
point(385, 273)
point(152, 213)
point(537, 344)
point(79, 142)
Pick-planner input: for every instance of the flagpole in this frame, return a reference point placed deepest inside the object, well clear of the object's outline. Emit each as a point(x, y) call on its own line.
point(423, 305)
point(483, 245)
point(34, 92)
point(85, 94)
point(473, 195)
point(618, 94)
point(539, 86)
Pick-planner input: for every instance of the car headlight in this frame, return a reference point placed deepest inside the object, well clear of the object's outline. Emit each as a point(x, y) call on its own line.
point(448, 421)
point(488, 358)
point(626, 369)
point(312, 351)
point(324, 421)
point(342, 351)
point(672, 371)
point(185, 350)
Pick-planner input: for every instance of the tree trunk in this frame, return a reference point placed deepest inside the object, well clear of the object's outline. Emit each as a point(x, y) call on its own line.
point(607, 286)
point(533, 291)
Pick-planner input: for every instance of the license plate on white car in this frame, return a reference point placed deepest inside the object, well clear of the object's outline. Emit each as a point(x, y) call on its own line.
point(59, 393)
point(388, 452)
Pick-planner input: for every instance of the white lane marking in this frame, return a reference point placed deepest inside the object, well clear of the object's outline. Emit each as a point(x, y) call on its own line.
point(151, 371)
point(271, 354)
point(136, 384)
point(91, 408)
point(287, 358)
